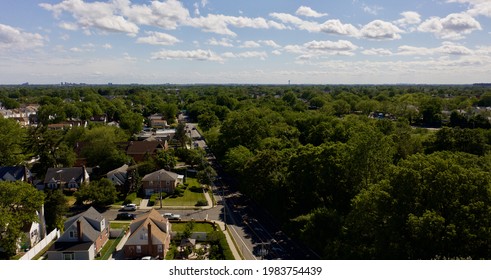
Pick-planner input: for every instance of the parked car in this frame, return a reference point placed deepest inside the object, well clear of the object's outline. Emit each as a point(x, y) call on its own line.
point(129, 207)
point(171, 216)
point(125, 216)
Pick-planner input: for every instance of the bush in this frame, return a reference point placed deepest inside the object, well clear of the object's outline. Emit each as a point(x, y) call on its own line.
point(201, 202)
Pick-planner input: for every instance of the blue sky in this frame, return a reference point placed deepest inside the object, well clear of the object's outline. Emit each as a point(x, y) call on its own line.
point(253, 42)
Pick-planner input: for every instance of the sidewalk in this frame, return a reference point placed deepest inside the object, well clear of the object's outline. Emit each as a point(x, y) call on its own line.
point(229, 238)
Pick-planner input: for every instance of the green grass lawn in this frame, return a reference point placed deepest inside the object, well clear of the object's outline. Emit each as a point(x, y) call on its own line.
point(198, 227)
point(111, 244)
point(192, 194)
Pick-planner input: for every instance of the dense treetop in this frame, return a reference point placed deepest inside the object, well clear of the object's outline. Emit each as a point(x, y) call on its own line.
point(370, 172)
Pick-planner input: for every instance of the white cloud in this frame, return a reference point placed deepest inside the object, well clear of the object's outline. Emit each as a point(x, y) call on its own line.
point(341, 45)
point(68, 26)
point(381, 30)
point(260, 55)
point(107, 46)
point(269, 43)
point(377, 52)
point(452, 27)
point(250, 44)
point(477, 7)
point(447, 48)
point(276, 52)
point(12, 38)
point(373, 10)
point(199, 54)
point(167, 14)
point(408, 18)
point(377, 29)
point(158, 38)
point(319, 48)
point(334, 26)
point(99, 15)
point(196, 9)
point(224, 42)
point(301, 24)
point(220, 23)
point(308, 12)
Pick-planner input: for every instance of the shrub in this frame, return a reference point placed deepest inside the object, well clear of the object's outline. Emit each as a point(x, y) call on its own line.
point(201, 202)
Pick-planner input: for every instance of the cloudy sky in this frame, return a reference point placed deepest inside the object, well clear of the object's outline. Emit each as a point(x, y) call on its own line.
point(225, 41)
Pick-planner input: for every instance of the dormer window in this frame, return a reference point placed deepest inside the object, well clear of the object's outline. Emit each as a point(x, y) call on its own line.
point(73, 234)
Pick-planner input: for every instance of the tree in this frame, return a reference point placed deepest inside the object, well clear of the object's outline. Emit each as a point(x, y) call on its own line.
point(55, 209)
point(206, 176)
point(19, 202)
point(11, 137)
point(97, 193)
point(131, 121)
point(165, 159)
point(431, 109)
point(101, 148)
point(50, 147)
point(181, 135)
point(431, 206)
point(208, 120)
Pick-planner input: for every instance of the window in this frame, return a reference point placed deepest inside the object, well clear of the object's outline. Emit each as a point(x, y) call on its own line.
point(138, 249)
point(69, 256)
point(143, 236)
point(73, 234)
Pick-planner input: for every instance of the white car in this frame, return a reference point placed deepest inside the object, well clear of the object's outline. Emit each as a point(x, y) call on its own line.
point(171, 216)
point(129, 207)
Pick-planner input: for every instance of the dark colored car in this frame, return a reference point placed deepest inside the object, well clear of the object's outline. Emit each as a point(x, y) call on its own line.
point(125, 216)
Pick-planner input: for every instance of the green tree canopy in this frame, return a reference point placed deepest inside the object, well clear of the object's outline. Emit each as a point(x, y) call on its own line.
point(19, 202)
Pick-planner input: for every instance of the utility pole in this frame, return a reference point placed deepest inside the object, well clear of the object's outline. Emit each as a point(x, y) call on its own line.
point(160, 190)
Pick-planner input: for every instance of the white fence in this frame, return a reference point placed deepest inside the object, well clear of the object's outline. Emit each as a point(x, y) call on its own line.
point(41, 245)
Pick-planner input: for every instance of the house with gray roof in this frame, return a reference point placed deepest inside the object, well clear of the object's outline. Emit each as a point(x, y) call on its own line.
point(85, 235)
point(160, 180)
point(15, 173)
point(118, 176)
point(71, 178)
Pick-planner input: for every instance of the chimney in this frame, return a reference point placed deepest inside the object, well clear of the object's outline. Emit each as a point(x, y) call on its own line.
point(79, 231)
point(150, 247)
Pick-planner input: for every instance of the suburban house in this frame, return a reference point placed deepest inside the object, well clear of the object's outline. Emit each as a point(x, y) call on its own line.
point(72, 177)
point(157, 121)
point(160, 180)
point(102, 119)
point(149, 235)
point(85, 235)
point(34, 231)
point(15, 173)
point(67, 125)
point(141, 150)
point(118, 176)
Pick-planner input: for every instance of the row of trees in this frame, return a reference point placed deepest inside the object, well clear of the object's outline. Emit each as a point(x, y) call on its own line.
point(353, 187)
point(346, 184)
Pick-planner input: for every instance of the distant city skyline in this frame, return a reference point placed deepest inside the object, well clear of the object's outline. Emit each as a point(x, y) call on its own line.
point(245, 42)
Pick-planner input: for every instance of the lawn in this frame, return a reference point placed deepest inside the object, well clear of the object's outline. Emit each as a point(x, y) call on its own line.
point(111, 244)
point(198, 227)
point(192, 194)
